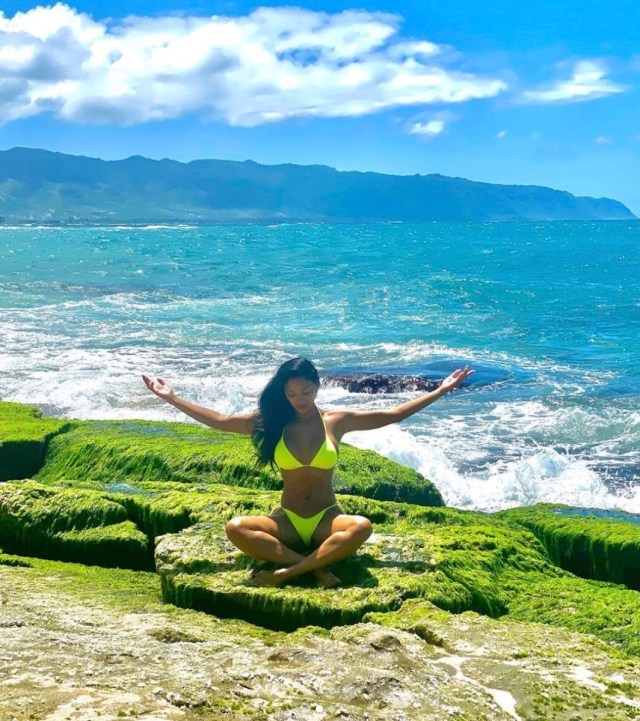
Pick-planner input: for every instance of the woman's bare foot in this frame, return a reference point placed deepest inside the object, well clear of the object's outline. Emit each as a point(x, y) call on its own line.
point(269, 578)
point(326, 579)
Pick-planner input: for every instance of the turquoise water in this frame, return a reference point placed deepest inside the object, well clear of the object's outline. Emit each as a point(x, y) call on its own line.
point(599, 513)
point(547, 313)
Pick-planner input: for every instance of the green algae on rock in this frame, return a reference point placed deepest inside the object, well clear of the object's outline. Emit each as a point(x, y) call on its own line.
point(596, 547)
point(366, 473)
point(457, 560)
point(136, 451)
point(110, 491)
point(72, 525)
point(607, 610)
point(457, 566)
point(200, 569)
point(24, 438)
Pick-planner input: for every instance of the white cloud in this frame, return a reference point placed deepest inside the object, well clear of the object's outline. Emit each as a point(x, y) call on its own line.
point(273, 64)
point(501, 134)
point(602, 140)
point(430, 128)
point(407, 49)
point(588, 82)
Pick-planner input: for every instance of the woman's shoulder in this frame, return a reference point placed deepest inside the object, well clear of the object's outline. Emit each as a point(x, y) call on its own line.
point(334, 413)
point(333, 417)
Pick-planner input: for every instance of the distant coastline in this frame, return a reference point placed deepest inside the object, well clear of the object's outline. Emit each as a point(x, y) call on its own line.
point(159, 224)
point(53, 189)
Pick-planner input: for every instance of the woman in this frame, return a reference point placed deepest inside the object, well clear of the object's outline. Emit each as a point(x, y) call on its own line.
point(290, 431)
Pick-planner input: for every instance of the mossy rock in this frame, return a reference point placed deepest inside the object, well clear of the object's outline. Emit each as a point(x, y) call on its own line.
point(452, 558)
point(418, 616)
point(24, 438)
point(456, 560)
point(448, 556)
point(93, 523)
point(592, 543)
point(110, 490)
point(200, 569)
point(606, 610)
point(609, 611)
point(70, 525)
point(366, 473)
point(136, 451)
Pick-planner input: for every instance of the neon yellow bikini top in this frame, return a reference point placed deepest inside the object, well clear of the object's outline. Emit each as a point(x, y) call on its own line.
point(325, 458)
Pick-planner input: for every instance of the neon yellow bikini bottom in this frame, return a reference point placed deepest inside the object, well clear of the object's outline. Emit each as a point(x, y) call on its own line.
point(306, 526)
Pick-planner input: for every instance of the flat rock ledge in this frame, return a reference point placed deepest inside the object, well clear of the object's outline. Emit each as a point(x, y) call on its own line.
point(200, 569)
point(86, 644)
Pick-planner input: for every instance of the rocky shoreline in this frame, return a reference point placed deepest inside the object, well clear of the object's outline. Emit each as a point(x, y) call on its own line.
point(379, 382)
point(121, 598)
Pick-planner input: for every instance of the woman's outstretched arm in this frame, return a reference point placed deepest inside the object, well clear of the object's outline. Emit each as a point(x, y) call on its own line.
point(237, 423)
point(347, 420)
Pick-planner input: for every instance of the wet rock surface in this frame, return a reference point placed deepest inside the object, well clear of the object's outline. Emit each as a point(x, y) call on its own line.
point(380, 383)
point(82, 644)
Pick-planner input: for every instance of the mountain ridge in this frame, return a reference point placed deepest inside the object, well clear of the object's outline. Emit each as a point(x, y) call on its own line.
point(45, 186)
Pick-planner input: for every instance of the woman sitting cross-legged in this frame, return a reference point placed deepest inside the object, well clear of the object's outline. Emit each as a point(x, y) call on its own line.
point(308, 531)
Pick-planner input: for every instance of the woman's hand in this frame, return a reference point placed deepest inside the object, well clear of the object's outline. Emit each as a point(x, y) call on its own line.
point(456, 378)
point(159, 387)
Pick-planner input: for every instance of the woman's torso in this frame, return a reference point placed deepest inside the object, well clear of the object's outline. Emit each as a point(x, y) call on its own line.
point(308, 489)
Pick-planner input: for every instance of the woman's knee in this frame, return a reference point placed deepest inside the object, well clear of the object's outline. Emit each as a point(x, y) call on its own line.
point(362, 527)
point(243, 526)
point(236, 527)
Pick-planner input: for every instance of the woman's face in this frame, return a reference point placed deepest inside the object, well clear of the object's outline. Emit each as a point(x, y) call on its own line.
point(301, 393)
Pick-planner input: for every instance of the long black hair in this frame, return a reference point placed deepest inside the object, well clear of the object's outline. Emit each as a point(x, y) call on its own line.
point(275, 411)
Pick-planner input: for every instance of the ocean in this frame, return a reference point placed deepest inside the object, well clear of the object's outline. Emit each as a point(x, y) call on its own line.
point(548, 314)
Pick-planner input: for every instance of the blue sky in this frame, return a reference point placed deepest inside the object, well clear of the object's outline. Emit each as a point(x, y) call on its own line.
point(542, 93)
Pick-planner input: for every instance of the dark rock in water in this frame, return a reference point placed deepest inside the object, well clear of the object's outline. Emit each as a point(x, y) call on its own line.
point(379, 383)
